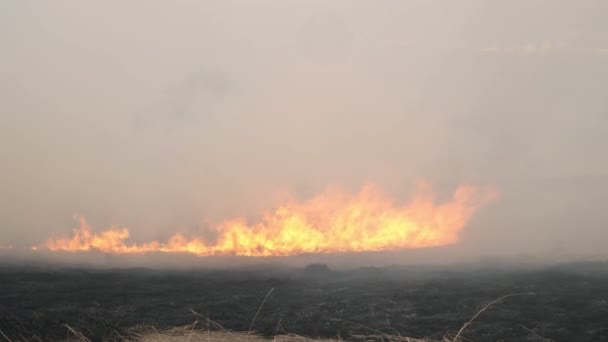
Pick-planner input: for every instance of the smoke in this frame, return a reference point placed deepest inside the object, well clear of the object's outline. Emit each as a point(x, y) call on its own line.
point(180, 114)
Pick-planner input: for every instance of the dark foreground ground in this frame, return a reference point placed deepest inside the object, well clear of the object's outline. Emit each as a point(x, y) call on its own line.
point(571, 301)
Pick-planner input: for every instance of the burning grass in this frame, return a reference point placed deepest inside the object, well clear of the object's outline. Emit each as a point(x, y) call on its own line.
point(331, 222)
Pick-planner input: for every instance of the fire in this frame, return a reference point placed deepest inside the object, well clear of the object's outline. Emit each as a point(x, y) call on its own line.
point(332, 222)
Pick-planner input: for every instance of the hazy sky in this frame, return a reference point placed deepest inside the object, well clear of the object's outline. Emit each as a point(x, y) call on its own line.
point(160, 115)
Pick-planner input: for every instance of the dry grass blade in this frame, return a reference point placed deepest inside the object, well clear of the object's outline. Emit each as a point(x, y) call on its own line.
point(276, 331)
point(6, 337)
point(119, 335)
point(77, 334)
point(489, 305)
point(155, 331)
point(192, 330)
point(258, 312)
point(365, 327)
point(210, 321)
point(535, 333)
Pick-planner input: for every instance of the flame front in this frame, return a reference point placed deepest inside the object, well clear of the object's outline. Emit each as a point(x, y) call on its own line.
point(332, 222)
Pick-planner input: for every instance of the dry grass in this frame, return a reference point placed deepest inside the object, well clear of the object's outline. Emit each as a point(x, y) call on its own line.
point(458, 337)
point(188, 333)
point(183, 334)
point(191, 333)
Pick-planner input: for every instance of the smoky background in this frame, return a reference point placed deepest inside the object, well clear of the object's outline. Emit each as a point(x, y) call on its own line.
point(169, 117)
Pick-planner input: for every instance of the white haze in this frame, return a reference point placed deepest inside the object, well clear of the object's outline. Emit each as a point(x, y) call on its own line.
point(166, 115)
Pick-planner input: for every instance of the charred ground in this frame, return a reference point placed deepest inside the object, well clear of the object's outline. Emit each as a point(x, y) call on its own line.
point(571, 301)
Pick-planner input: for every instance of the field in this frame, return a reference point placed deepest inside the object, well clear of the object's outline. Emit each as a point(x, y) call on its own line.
point(570, 302)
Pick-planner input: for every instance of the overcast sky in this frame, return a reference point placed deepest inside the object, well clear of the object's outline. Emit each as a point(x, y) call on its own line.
point(161, 115)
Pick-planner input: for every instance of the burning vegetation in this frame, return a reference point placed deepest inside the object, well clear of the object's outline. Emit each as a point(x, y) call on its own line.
point(332, 222)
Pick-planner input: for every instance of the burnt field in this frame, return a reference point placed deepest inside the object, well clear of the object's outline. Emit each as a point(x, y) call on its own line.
point(570, 301)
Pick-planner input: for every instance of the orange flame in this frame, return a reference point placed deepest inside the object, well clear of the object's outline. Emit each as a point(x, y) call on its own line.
point(332, 222)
